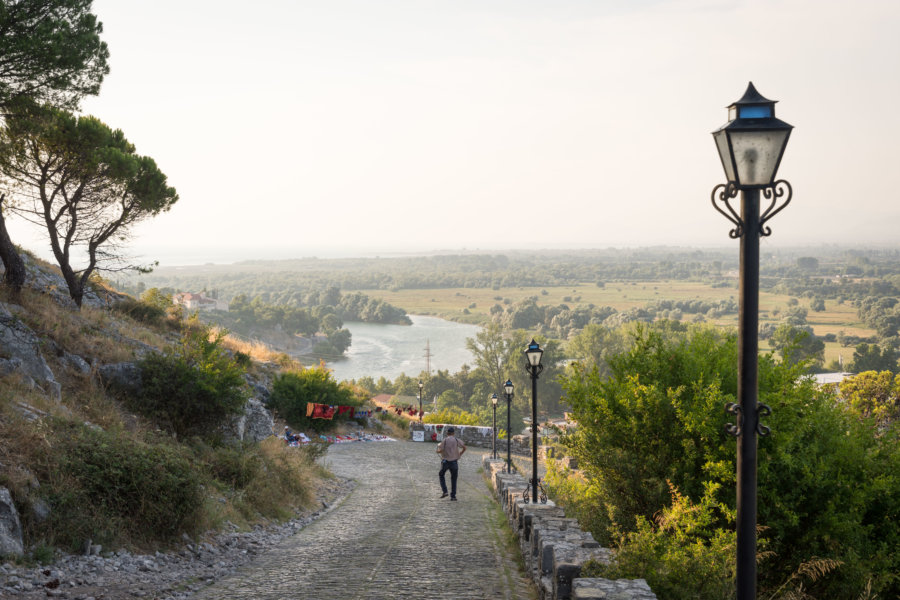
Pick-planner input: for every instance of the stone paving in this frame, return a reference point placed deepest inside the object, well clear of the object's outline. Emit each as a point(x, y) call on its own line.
point(392, 537)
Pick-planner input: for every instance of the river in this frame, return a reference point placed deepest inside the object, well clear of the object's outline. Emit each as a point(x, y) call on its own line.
point(387, 351)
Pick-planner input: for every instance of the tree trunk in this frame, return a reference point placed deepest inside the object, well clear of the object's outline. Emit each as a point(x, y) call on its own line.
point(12, 262)
point(74, 283)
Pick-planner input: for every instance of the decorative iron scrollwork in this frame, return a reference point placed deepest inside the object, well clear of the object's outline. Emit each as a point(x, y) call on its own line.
point(728, 191)
point(778, 194)
point(763, 410)
point(734, 429)
point(542, 495)
point(780, 190)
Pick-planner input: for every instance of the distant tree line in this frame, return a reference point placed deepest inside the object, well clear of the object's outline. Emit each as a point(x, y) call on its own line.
point(867, 279)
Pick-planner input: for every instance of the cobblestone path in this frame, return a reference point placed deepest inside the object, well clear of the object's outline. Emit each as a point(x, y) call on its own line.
point(392, 537)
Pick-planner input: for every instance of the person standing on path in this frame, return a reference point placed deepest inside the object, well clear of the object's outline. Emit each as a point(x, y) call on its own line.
point(450, 450)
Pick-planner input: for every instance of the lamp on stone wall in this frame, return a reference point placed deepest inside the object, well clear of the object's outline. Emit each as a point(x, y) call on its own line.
point(494, 429)
point(421, 387)
point(508, 390)
point(533, 365)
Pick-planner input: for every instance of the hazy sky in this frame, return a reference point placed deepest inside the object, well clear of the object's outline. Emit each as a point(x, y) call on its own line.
point(342, 126)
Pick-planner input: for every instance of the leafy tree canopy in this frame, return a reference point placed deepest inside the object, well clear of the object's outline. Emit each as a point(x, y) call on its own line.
point(825, 479)
point(873, 394)
point(50, 50)
point(83, 181)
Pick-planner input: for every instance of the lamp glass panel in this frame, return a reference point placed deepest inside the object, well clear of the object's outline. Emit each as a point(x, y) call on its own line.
point(722, 146)
point(508, 389)
point(755, 112)
point(756, 155)
point(534, 357)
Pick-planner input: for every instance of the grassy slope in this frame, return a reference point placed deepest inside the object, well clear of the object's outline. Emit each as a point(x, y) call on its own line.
point(275, 480)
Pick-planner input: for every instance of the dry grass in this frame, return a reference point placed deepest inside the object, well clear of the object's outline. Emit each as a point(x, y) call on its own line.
point(289, 481)
point(260, 352)
point(22, 440)
point(97, 333)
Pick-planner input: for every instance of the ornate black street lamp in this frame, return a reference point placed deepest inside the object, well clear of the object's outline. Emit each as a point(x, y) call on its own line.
point(533, 365)
point(421, 387)
point(494, 430)
point(750, 146)
point(508, 390)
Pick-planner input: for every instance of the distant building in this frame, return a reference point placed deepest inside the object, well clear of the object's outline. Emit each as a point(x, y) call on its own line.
point(191, 301)
point(831, 378)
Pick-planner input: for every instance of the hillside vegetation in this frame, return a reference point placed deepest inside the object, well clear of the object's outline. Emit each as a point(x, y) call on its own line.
point(135, 467)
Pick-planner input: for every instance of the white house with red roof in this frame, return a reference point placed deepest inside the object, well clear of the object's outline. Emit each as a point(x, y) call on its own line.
point(192, 301)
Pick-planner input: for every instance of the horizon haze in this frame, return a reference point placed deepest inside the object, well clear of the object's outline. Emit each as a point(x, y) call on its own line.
point(405, 126)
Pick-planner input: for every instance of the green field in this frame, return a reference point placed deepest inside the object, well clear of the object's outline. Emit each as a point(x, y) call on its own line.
point(450, 303)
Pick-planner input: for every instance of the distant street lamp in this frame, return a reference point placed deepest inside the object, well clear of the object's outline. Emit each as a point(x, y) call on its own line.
point(533, 365)
point(508, 389)
point(750, 146)
point(494, 430)
point(421, 387)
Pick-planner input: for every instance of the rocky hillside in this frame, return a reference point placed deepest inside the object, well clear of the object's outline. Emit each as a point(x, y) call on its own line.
point(78, 467)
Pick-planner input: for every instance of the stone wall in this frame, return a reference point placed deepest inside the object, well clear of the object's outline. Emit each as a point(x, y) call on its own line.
point(471, 436)
point(554, 547)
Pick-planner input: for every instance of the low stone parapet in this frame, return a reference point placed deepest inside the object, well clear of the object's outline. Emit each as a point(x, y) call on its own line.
point(470, 435)
point(555, 547)
point(591, 588)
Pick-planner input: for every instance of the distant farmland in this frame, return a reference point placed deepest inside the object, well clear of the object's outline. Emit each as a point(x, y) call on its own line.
point(472, 305)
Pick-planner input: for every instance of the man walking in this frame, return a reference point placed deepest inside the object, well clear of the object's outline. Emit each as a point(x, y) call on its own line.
point(450, 450)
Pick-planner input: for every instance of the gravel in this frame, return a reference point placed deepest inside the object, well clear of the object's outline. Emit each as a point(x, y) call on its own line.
point(165, 576)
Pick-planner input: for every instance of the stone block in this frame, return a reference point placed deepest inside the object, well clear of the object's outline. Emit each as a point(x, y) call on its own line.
point(563, 575)
point(611, 589)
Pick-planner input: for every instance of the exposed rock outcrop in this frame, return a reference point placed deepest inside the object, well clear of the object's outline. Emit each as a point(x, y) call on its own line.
point(21, 353)
point(254, 425)
point(123, 377)
point(10, 527)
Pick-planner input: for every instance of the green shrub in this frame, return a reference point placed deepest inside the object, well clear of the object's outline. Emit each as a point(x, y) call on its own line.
point(192, 387)
point(141, 311)
point(292, 391)
point(580, 497)
point(43, 554)
point(453, 416)
point(829, 487)
point(233, 466)
point(112, 489)
point(685, 554)
point(243, 359)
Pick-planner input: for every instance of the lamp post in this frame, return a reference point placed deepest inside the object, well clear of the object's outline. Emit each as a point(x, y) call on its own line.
point(421, 387)
point(533, 365)
point(750, 146)
point(508, 390)
point(494, 430)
